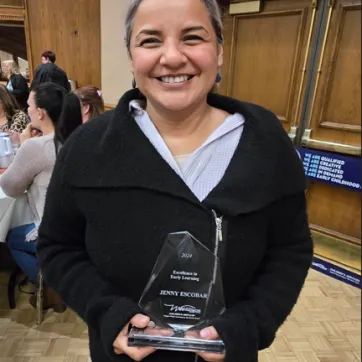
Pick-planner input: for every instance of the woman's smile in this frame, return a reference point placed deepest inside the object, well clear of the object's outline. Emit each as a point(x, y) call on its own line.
point(176, 81)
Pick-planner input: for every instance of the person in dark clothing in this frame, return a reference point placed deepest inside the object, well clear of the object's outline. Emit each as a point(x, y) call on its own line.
point(173, 156)
point(50, 72)
point(17, 84)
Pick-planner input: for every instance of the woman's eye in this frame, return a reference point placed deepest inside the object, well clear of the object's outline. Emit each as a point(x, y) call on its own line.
point(193, 39)
point(149, 42)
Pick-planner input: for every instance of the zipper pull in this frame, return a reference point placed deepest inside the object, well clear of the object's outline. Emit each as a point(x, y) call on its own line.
point(219, 227)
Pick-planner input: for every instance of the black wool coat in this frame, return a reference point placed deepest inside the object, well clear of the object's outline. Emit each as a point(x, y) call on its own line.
point(112, 201)
point(50, 72)
point(20, 90)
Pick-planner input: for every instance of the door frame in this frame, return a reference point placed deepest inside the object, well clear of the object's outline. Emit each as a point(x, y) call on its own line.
point(16, 14)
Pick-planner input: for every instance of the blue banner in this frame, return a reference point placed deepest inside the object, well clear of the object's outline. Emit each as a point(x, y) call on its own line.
point(332, 168)
point(337, 272)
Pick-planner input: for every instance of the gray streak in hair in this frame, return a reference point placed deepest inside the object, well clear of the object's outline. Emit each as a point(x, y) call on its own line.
point(212, 8)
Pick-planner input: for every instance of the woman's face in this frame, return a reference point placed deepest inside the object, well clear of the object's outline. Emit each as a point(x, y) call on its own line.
point(7, 70)
point(34, 112)
point(174, 53)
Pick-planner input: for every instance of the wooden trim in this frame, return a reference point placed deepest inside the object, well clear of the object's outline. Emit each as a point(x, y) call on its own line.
point(332, 146)
point(245, 7)
point(11, 18)
point(335, 234)
point(321, 61)
point(282, 119)
point(303, 21)
point(341, 264)
point(341, 126)
point(28, 40)
point(331, 73)
point(12, 6)
point(12, 14)
point(305, 63)
point(294, 78)
point(108, 107)
point(232, 57)
point(337, 251)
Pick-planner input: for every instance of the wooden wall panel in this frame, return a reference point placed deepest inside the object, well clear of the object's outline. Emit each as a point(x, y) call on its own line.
point(335, 119)
point(267, 37)
point(335, 210)
point(228, 35)
point(12, 3)
point(266, 56)
point(336, 113)
point(344, 87)
point(71, 28)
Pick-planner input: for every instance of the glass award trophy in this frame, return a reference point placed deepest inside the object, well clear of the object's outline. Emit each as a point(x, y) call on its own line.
point(182, 296)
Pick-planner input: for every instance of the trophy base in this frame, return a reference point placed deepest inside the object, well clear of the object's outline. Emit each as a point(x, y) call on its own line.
point(168, 339)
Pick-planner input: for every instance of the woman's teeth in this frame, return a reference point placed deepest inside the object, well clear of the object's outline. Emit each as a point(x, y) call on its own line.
point(179, 79)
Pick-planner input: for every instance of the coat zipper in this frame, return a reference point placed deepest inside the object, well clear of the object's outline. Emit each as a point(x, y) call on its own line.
point(218, 240)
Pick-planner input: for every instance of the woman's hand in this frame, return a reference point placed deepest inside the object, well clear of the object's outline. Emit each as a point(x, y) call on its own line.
point(29, 132)
point(14, 137)
point(121, 343)
point(210, 333)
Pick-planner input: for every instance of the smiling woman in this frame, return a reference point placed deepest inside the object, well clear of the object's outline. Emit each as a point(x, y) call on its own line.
point(174, 156)
point(181, 63)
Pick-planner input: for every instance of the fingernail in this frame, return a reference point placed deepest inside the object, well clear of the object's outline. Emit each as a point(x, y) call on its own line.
point(205, 333)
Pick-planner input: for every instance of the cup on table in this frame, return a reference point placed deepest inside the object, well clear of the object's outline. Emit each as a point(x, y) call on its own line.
point(15, 141)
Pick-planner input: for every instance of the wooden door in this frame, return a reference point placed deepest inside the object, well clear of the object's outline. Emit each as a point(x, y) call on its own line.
point(335, 117)
point(334, 124)
point(266, 56)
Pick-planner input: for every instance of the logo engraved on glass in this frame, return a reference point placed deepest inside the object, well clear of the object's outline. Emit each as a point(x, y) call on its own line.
point(185, 308)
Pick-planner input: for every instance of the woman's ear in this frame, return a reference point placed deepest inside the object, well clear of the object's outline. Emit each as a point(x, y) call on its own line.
point(41, 114)
point(86, 108)
point(220, 58)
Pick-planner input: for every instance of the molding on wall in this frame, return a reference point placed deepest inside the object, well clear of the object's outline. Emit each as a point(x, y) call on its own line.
point(308, 141)
point(245, 7)
point(28, 40)
point(12, 14)
point(12, 6)
point(336, 235)
point(336, 250)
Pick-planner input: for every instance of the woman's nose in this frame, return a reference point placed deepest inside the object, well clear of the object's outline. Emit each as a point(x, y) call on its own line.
point(172, 56)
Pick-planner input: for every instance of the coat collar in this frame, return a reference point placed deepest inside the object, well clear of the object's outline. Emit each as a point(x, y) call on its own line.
point(112, 152)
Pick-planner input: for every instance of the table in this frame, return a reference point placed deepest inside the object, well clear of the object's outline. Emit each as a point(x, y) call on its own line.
point(13, 212)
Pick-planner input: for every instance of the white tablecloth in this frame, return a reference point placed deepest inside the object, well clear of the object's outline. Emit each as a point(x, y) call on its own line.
point(13, 212)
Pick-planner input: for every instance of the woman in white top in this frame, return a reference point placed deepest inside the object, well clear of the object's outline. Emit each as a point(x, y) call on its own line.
point(54, 115)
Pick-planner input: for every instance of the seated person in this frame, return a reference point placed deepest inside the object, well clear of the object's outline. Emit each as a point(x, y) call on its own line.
point(54, 115)
point(92, 102)
point(11, 117)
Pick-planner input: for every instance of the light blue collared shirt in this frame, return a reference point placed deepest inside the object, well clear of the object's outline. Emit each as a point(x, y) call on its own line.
point(204, 168)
